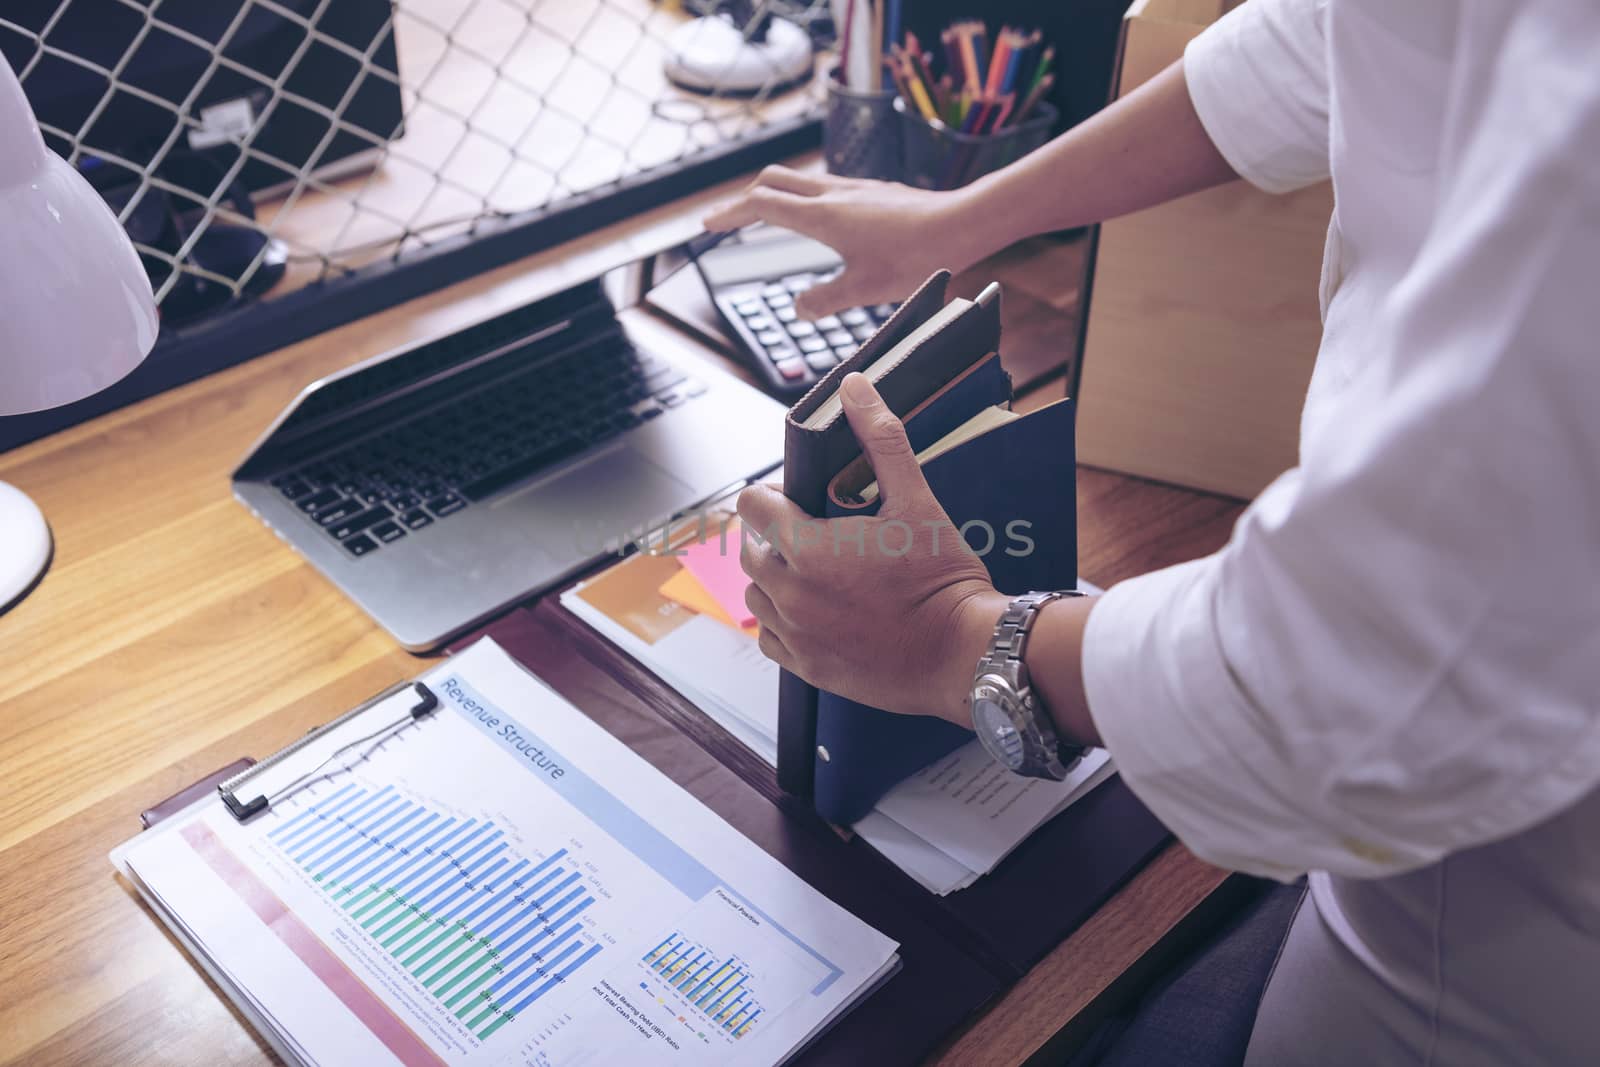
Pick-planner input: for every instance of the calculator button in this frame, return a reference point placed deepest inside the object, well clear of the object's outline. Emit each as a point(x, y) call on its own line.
point(829, 322)
point(821, 362)
point(883, 311)
point(770, 338)
point(797, 283)
point(760, 323)
point(802, 328)
point(781, 299)
point(775, 290)
point(864, 332)
point(359, 545)
point(749, 307)
point(837, 337)
point(792, 370)
point(844, 352)
point(785, 314)
point(853, 317)
point(813, 344)
point(778, 353)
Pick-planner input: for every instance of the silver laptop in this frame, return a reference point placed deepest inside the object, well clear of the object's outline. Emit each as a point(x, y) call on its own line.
point(440, 483)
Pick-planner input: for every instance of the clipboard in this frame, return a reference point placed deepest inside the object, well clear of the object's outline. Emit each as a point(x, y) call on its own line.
point(942, 980)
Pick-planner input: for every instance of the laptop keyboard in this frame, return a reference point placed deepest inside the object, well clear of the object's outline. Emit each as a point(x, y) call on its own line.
point(424, 469)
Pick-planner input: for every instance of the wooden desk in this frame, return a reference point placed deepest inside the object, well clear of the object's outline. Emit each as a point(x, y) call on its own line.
point(175, 633)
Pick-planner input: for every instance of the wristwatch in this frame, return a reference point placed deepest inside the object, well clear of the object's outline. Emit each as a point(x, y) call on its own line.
point(1006, 713)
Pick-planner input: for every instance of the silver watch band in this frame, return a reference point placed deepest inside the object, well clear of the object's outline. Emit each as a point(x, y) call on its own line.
point(1006, 657)
point(1010, 642)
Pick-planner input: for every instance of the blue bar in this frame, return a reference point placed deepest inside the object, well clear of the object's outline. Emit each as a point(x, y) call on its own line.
point(699, 976)
point(723, 1012)
point(469, 881)
point(375, 838)
point(658, 948)
point(395, 833)
point(443, 910)
point(501, 973)
point(424, 859)
point(355, 832)
point(458, 855)
point(402, 859)
point(695, 992)
point(333, 821)
point(559, 978)
point(320, 816)
point(753, 1017)
point(441, 853)
point(714, 999)
point(558, 887)
point(325, 833)
point(681, 979)
point(537, 912)
point(395, 850)
point(515, 901)
point(540, 965)
point(711, 994)
point(550, 927)
point(507, 888)
point(295, 820)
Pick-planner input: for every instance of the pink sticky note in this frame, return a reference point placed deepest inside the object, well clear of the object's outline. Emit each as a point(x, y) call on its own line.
point(719, 571)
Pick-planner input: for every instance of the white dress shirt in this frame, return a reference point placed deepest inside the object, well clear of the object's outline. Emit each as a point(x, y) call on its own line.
point(1390, 676)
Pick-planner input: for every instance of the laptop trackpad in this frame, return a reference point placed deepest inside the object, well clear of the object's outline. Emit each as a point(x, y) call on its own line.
point(605, 498)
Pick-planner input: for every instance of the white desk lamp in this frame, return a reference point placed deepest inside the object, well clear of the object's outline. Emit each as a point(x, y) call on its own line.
point(76, 311)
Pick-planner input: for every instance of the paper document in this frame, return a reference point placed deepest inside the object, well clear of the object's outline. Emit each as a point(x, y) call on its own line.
point(640, 605)
point(946, 826)
point(506, 883)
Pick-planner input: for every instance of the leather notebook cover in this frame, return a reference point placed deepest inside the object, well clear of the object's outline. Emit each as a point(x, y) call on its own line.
point(1016, 485)
point(940, 983)
point(812, 457)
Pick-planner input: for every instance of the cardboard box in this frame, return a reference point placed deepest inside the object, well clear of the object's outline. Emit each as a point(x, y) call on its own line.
point(1202, 321)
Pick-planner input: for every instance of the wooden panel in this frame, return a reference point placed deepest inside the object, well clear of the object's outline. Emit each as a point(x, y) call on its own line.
point(1203, 324)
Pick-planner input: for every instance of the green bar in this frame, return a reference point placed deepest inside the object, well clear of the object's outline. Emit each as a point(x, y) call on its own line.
point(471, 987)
point(470, 972)
point(438, 977)
point(482, 1015)
point(406, 911)
point(498, 1024)
point(402, 932)
point(450, 930)
point(382, 895)
point(380, 914)
point(486, 998)
point(465, 935)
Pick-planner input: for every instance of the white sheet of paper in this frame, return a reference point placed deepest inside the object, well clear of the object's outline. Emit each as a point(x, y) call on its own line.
point(925, 863)
point(976, 811)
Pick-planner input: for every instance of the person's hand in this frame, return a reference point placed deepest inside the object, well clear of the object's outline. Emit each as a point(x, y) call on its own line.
point(890, 236)
point(894, 610)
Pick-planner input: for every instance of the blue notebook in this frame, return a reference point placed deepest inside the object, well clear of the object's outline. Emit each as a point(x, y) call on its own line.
point(1012, 486)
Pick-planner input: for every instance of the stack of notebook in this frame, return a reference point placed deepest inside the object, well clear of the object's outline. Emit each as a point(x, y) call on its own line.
point(922, 792)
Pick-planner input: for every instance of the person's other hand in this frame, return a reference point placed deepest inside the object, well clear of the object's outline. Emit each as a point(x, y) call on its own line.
point(893, 610)
point(890, 236)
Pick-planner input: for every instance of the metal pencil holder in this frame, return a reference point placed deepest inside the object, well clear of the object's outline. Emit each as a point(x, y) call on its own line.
point(860, 135)
point(934, 156)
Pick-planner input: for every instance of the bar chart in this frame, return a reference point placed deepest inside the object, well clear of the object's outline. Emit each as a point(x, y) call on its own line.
point(485, 930)
point(715, 986)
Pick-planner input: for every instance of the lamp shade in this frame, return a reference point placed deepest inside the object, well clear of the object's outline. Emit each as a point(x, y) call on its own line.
point(76, 311)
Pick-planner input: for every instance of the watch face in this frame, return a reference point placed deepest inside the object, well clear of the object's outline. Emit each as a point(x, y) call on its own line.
point(997, 733)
